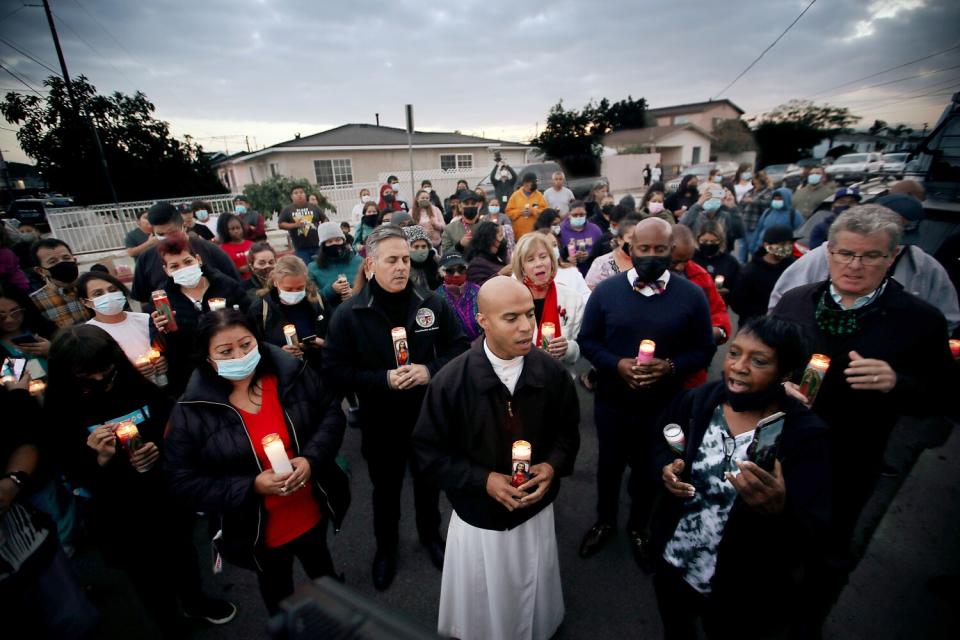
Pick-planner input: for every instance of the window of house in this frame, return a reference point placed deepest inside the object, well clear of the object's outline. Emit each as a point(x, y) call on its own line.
point(695, 159)
point(449, 161)
point(681, 120)
point(334, 173)
point(274, 169)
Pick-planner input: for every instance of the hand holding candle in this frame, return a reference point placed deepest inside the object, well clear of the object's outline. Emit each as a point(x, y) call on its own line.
point(813, 376)
point(547, 333)
point(290, 333)
point(277, 454)
point(520, 467)
point(719, 280)
point(646, 351)
point(217, 304)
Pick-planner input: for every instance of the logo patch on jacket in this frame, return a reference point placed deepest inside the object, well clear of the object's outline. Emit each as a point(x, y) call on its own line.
point(426, 318)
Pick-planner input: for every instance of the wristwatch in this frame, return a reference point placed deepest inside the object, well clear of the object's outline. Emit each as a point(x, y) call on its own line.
point(20, 478)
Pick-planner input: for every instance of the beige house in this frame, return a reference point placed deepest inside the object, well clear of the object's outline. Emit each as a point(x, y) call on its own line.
point(355, 155)
point(679, 145)
point(704, 115)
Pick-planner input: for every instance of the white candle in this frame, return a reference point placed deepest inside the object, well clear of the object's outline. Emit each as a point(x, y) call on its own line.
point(217, 304)
point(290, 333)
point(646, 351)
point(673, 434)
point(547, 333)
point(277, 454)
point(719, 281)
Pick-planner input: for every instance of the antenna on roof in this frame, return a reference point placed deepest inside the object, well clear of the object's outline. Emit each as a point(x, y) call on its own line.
point(378, 118)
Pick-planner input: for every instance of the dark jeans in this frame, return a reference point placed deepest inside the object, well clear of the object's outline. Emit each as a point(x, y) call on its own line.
point(276, 574)
point(387, 463)
point(680, 604)
point(623, 440)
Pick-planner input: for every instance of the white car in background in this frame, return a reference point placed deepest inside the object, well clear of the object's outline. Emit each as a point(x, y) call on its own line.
point(855, 167)
point(895, 164)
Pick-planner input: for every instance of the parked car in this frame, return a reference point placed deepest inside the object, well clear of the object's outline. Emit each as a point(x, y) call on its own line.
point(895, 164)
point(855, 167)
point(727, 170)
point(777, 172)
point(544, 172)
point(34, 210)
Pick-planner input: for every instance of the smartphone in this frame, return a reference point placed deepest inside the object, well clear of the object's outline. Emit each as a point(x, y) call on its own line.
point(13, 367)
point(766, 441)
point(716, 193)
point(26, 338)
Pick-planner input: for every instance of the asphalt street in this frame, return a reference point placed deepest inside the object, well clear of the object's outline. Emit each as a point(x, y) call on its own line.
point(902, 588)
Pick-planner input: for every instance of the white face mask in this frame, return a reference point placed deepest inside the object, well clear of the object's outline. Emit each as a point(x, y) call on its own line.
point(188, 277)
point(109, 304)
point(364, 199)
point(556, 253)
point(555, 229)
point(291, 297)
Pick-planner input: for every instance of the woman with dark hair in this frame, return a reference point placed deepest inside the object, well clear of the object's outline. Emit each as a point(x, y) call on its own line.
point(369, 220)
point(93, 388)
point(686, 195)
point(428, 216)
point(189, 288)
point(594, 199)
point(711, 254)
point(487, 253)
point(262, 259)
point(725, 519)
point(652, 204)
point(24, 331)
point(230, 234)
point(245, 395)
point(335, 265)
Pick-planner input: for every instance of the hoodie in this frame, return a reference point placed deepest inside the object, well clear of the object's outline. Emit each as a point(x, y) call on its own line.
point(787, 216)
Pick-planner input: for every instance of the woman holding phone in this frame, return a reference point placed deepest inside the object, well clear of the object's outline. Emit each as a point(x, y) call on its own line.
point(24, 331)
point(726, 524)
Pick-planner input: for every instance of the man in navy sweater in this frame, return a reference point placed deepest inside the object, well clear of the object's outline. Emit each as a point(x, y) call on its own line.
point(645, 303)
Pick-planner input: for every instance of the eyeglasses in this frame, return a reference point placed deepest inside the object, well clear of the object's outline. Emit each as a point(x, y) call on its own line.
point(13, 313)
point(729, 448)
point(872, 259)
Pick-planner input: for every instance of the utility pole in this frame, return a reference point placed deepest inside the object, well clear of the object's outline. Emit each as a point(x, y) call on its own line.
point(247, 138)
point(377, 116)
point(410, 145)
point(76, 107)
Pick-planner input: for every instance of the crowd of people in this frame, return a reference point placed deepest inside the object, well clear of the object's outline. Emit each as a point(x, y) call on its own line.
point(447, 331)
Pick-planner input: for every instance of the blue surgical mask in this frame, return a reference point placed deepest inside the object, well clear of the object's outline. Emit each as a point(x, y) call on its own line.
point(240, 209)
point(711, 205)
point(577, 221)
point(201, 215)
point(493, 208)
point(776, 204)
point(109, 304)
point(291, 297)
point(814, 178)
point(746, 175)
point(718, 178)
point(188, 276)
point(239, 368)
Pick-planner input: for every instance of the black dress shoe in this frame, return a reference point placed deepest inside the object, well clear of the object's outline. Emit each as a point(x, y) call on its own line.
point(595, 539)
point(642, 551)
point(435, 549)
point(384, 570)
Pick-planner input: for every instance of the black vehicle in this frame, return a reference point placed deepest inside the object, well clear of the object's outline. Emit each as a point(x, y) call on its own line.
point(33, 211)
point(544, 172)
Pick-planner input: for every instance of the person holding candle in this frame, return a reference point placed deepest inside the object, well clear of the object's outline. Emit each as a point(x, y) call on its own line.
point(359, 357)
point(682, 264)
point(189, 287)
point(244, 391)
point(712, 255)
point(503, 400)
point(888, 357)
point(93, 388)
point(645, 303)
point(724, 520)
point(535, 265)
point(335, 259)
point(291, 298)
point(19, 320)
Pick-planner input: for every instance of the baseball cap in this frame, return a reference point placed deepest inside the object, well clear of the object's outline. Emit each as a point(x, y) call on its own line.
point(451, 260)
point(903, 205)
point(778, 233)
point(845, 192)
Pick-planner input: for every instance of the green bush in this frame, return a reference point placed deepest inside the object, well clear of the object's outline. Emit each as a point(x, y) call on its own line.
point(270, 196)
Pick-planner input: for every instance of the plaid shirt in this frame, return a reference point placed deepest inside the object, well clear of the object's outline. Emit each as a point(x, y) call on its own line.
point(60, 305)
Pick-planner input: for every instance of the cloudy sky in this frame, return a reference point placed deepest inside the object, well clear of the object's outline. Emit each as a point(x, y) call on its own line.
point(268, 69)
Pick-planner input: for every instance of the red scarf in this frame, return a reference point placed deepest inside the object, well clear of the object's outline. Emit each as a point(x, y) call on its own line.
point(551, 310)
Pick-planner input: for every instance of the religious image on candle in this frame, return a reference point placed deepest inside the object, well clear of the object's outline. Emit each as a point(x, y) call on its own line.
point(400, 347)
point(813, 375)
point(955, 349)
point(520, 467)
point(547, 333)
point(129, 436)
point(277, 454)
point(646, 351)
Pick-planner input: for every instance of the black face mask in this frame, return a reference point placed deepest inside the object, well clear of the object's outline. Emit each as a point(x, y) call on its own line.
point(607, 209)
point(64, 271)
point(371, 219)
point(625, 247)
point(755, 400)
point(649, 268)
point(840, 209)
point(470, 212)
point(92, 386)
point(335, 251)
point(709, 250)
point(388, 198)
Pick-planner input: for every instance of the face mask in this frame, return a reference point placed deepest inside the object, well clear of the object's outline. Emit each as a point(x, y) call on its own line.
point(709, 250)
point(427, 189)
point(504, 175)
point(364, 199)
point(711, 205)
point(649, 268)
point(239, 368)
point(494, 208)
point(781, 251)
point(423, 203)
point(555, 229)
point(188, 277)
point(625, 247)
point(470, 212)
point(335, 251)
point(159, 236)
point(692, 187)
point(814, 178)
point(746, 175)
point(419, 255)
point(291, 297)
point(556, 253)
point(577, 222)
point(396, 187)
point(654, 207)
point(388, 198)
point(93, 386)
point(754, 400)
point(201, 215)
point(607, 209)
point(240, 209)
point(64, 271)
point(455, 279)
point(370, 219)
point(263, 274)
point(718, 179)
point(109, 304)
point(776, 204)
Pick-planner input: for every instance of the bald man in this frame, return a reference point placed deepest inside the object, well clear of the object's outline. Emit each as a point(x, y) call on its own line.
point(501, 575)
point(646, 302)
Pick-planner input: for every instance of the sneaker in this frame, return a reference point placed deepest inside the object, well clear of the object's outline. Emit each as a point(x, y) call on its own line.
point(212, 610)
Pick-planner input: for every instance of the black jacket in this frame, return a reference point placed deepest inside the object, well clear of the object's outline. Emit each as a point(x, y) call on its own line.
point(722, 264)
point(359, 353)
point(756, 548)
point(469, 421)
point(268, 314)
point(148, 274)
point(178, 346)
point(750, 296)
point(211, 464)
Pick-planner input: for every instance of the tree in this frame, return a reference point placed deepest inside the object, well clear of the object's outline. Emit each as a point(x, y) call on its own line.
point(877, 127)
point(733, 136)
point(273, 194)
point(145, 161)
point(573, 138)
point(787, 133)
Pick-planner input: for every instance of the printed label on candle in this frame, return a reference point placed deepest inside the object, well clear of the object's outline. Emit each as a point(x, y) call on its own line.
point(646, 351)
point(813, 375)
point(673, 434)
point(129, 436)
point(520, 467)
point(547, 333)
point(400, 347)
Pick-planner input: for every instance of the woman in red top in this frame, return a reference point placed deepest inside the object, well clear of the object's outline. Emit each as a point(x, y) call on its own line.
point(242, 393)
point(230, 234)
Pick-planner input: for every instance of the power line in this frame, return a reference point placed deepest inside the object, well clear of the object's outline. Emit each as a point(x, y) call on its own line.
point(879, 73)
point(764, 52)
point(886, 98)
point(905, 78)
point(21, 80)
point(20, 8)
point(107, 31)
point(94, 49)
point(22, 52)
point(884, 105)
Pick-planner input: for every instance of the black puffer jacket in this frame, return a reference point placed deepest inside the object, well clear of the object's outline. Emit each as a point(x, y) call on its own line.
point(270, 315)
point(211, 463)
